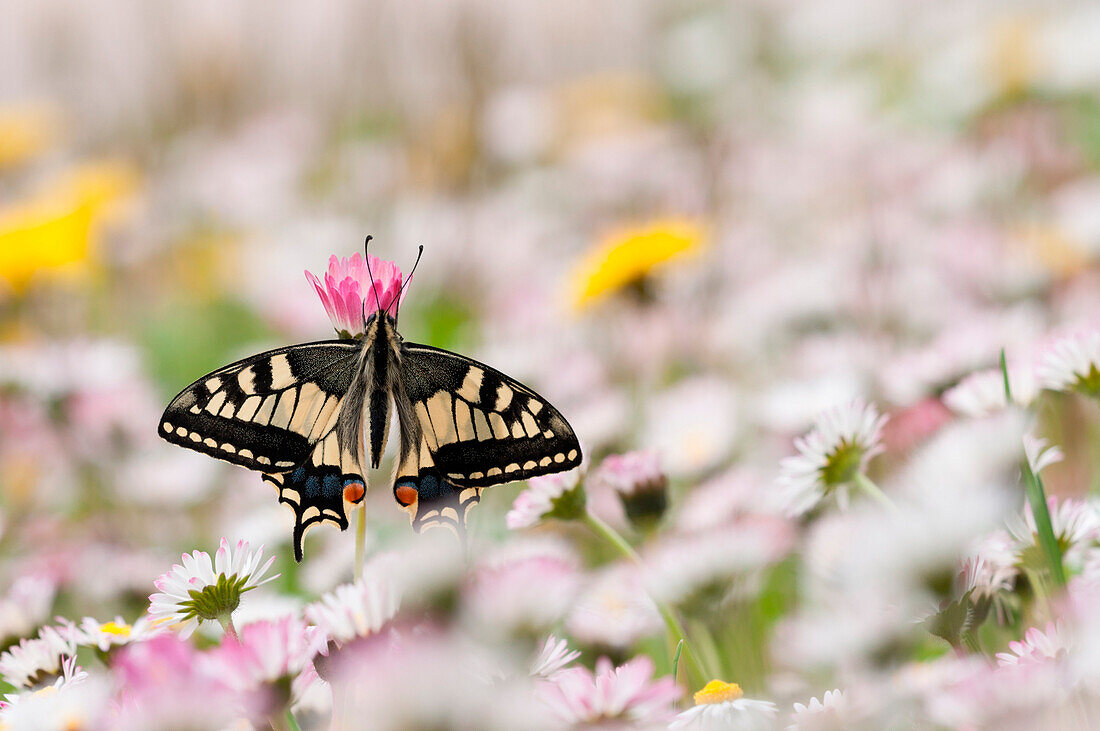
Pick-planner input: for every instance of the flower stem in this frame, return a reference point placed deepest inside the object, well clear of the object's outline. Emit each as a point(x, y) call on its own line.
point(360, 538)
point(863, 482)
point(226, 621)
point(672, 623)
point(1037, 501)
point(291, 721)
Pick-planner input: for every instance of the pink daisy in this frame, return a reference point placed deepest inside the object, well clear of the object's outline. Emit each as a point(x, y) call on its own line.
point(346, 290)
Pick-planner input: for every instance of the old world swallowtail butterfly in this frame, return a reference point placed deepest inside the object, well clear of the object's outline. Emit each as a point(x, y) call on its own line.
point(308, 416)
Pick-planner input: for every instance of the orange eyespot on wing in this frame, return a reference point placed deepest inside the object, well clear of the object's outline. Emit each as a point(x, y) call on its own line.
point(354, 492)
point(405, 494)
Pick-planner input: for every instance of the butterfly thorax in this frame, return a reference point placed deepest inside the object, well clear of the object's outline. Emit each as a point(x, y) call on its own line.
point(365, 415)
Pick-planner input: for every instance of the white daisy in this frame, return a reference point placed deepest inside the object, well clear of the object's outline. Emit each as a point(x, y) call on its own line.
point(75, 701)
point(559, 495)
point(554, 655)
point(1040, 453)
point(1072, 364)
point(25, 606)
point(37, 660)
point(982, 393)
point(720, 706)
point(355, 610)
point(1075, 524)
point(819, 715)
point(115, 633)
point(831, 455)
point(204, 590)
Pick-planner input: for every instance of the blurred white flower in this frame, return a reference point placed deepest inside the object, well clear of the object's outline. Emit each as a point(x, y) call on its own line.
point(1072, 363)
point(1075, 523)
point(613, 610)
point(983, 393)
point(826, 714)
point(37, 661)
point(693, 425)
point(554, 655)
point(115, 633)
point(677, 565)
point(75, 701)
point(26, 604)
point(1040, 453)
point(837, 449)
point(355, 610)
point(204, 590)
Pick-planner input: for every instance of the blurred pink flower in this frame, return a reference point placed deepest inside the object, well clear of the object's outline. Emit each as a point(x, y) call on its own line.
point(524, 592)
point(913, 424)
point(1037, 646)
point(347, 294)
point(559, 495)
point(164, 682)
point(627, 693)
point(263, 658)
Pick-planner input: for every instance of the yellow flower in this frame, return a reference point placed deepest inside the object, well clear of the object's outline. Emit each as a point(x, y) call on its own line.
point(626, 256)
point(55, 229)
point(718, 691)
point(25, 131)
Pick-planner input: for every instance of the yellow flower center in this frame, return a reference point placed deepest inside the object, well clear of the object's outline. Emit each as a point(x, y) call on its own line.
point(718, 691)
point(114, 628)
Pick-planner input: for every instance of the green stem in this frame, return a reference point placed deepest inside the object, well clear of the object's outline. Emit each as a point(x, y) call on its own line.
point(1037, 501)
point(672, 623)
point(226, 621)
point(863, 482)
point(360, 538)
point(291, 721)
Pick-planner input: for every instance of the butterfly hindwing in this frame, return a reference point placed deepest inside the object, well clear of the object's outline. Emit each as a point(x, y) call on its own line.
point(473, 427)
point(277, 413)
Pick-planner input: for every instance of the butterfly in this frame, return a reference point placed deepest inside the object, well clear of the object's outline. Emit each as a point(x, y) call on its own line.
point(309, 417)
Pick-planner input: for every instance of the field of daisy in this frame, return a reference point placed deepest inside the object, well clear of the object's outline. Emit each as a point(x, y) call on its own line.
point(816, 285)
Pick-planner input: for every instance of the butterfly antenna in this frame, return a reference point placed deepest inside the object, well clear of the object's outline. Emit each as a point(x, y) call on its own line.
point(366, 256)
point(408, 279)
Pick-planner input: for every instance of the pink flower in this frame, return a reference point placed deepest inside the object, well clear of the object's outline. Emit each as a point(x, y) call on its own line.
point(1036, 647)
point(576, 695)
point(529, 591)
point(163, 681)
point(347, 294)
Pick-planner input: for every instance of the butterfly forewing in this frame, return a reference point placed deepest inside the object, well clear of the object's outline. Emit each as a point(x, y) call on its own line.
point(277, 412)
point(481, 427)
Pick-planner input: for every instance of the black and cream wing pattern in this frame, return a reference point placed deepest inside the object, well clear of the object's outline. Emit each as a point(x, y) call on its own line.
point(470, 427)
point(277, 413)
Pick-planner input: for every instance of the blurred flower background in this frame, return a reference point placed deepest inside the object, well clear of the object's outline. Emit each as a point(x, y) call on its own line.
point(764, 256)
